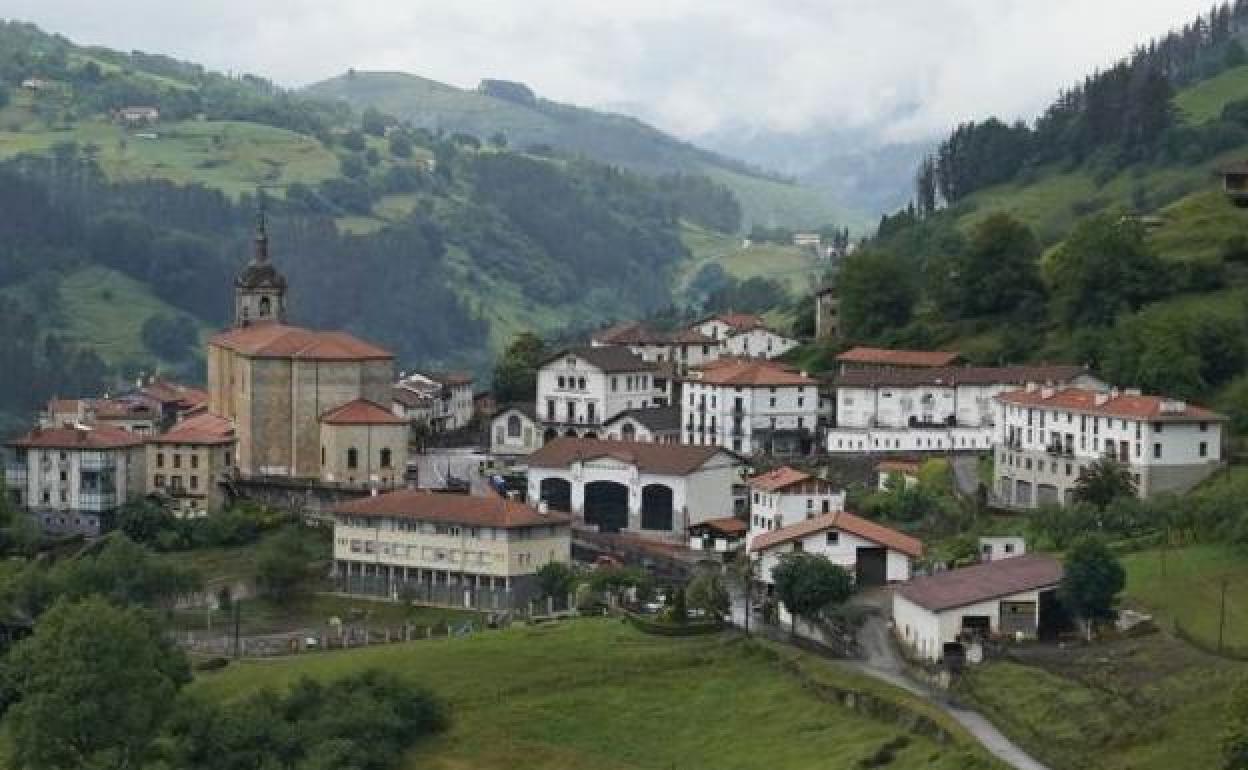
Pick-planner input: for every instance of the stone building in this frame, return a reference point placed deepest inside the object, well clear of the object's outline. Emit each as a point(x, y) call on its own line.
point(188, 463)
point(827, 313)
point(361, 443)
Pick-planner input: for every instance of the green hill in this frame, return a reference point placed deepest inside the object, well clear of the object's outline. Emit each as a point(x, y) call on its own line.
point(605, 137)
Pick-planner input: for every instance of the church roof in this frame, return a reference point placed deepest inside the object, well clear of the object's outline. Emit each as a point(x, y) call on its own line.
point(360, 412)
point(259, 276)
point(276, 340)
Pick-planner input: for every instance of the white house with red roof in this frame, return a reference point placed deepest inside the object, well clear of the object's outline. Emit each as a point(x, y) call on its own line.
point(873, 553)
point(750, 405)
point(580, 389)
point(744, 334)
point(72, 478)
point(786, 496)
point(1045, 437)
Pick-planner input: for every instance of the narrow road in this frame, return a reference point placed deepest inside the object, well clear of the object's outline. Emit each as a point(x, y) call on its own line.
point(881, 660)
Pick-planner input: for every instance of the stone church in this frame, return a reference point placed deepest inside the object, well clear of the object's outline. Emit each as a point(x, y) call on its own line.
point(304, 404)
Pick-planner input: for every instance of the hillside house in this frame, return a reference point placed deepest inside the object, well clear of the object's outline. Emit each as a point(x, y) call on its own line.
point(744, 335)
point(447, 395)
point(939, 615)
point(890, 471)
point(580, 389)
point(682, 349)
point(750, 405)
point(515, 432)
point(137, 116)
point(655, 490)
point(786, 496)
point(1235, 182)
point(188, 463)
point(1044, 437)
point(874, 554)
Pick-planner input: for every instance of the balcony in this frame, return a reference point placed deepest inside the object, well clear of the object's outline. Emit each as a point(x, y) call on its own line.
point(97, 461)
point(96, 501)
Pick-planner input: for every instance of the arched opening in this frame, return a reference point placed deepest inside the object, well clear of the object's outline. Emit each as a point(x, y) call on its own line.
point(353, 458)
point(557, 493)
point(513, 427)
point(606, 505)
point(656, 507)
point(550, 435)
point(385, 458)
point(266, 307)
point(628, 432)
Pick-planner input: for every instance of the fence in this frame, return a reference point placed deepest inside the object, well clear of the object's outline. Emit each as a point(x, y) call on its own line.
point(456, 595)
point(1230, 652)
point(315, 640)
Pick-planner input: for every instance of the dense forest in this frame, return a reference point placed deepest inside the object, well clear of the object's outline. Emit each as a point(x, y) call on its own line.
point(1115, 117)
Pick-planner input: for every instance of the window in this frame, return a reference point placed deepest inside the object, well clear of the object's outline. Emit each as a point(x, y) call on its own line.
point(513, 426)
point(194, 461)
point(581, 383)
point(177, 460)
point(385, 457)
point(1157, 451)
point(194, 482)
point(227, 460)
point(615, 385)
point(562, 382)
point(1204, 426)
point(550, 409)
point(159, 480)
point(1204, 449)
point(160, 459)
point(1009, 548)
point(1157, 427)
point(353, 458)
point(833, 538)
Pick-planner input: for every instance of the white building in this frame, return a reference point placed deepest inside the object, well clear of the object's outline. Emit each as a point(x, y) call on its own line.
point(72, 479)
point(1046, 436)
point(750, 405)
point(744, 334)
point(658, 490)
point(579, 389)
point(872, 553)
point(682, 349)
point(515, 432)
point(786, 496)
point(997, 547)
point(1010, 597)
point(446, 395)
point(411, 405)
point(886, 471)
point(466, 551)
point(652, 425)
point(930, 409)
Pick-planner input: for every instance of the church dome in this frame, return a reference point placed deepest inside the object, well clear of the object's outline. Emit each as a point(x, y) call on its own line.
point(259, 275)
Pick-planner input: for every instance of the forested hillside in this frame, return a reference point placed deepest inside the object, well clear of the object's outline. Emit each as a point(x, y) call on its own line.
point(1099, 234)
point(119, 241)
point(510, 112)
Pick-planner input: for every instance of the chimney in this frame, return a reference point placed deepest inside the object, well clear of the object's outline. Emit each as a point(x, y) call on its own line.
point(1114, 392)
point(1101, 398)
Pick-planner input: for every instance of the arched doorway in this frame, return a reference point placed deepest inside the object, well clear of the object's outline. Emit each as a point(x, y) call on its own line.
point(557, 493)
point(628, 432)
point(550, 435)
point(606, 505)
point(656, 507)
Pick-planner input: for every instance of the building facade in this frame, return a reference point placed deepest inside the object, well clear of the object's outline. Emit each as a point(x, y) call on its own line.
point(930, 409)
point(750, 406)
point(1045, 437)
point(458, 550)
point(363, 444)
point(580, 389)
point(655, 490)
point(447, 397)
point(827, 314)
point(866, 358)
point(786, 496)
point(188, 464)
point(872, 553)
point(652, 425)
point(515, 432)
point(73, 479)
point(744, 335)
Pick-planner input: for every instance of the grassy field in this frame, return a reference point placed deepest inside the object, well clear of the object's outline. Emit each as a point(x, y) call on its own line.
point(1185, 584)
point(795, 268)
point(1141, 704)
point(1205, 100)
point(597, 694)
point(264, 616)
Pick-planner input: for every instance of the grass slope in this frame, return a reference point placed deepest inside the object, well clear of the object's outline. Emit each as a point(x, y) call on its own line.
point(1185, 585)
point(796, 268)
point(1204, 101)
point(597, 694)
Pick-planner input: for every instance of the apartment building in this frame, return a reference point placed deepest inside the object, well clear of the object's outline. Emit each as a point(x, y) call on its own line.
point(188, 463)
point(786, 496)
point(580, 389)
point(750, 405)
point(1046, 436)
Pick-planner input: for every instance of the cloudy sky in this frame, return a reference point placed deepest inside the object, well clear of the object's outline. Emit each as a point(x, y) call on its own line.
point(914, 67)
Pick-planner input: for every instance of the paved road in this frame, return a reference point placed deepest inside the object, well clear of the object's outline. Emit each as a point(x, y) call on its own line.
point(881, 660)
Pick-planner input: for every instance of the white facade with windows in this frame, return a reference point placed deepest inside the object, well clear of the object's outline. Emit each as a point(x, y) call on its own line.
point(1045, 437)
point(786, 496)
point(580, 389)
point(750, 406)
point(759, 342)
point(514, 432)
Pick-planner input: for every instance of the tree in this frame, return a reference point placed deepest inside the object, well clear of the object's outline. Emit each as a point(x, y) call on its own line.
point(171, 338)
point(515, 375)
point(373, 122)
point(707, 592)
point(1235, 739)
point(400, 145)
point(677, 605)
point(809, 583)
point(1104, 268)
point(1092, 580)
point(1103, 481)
point(143, 521)
point(556, 579)
point(284, 564)
point(93, 683)
point(999, 271)
point(877, 292)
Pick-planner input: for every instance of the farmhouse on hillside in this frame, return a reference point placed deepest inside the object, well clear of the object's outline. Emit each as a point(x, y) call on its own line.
point(873, 554)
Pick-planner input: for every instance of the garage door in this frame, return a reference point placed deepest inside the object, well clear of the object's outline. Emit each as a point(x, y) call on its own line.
point(871, 567)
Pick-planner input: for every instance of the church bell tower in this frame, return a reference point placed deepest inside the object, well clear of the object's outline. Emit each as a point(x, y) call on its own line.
point(259, 289)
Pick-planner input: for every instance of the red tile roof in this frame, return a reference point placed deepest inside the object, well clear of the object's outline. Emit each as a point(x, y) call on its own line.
point(166, 391)
point(752, 371)
point(94, 437)
point(361, 412)
point(274, 340)
point(960, 375)
point(983, 582)
point(671, 459)
point(887, 357)
point(1115, 404)
point(730, 526)
point(738, 321)
point(410, 398)
point(455, 509)
point(845, 522)
point(201, 429)
point(779, 479)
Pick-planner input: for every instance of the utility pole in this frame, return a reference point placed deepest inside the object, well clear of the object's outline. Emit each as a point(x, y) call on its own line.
point(1222, 615)
point(236, 606)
